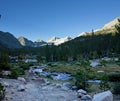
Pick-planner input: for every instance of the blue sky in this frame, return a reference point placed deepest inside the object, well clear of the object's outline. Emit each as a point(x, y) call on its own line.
point(42, 19)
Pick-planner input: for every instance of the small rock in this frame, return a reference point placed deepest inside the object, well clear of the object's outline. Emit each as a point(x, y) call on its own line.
point(86, 98)
point(64, 88)
point(6, 84)
point(8, 99)
point(21, 79)
point(46, 81)
point(74, 88)
point(21, 88)
point(37, 70)
point(82, 91)
point(100, 71)
point(12, 92)
point(67, 84)
point(33, 78)
point(58, 85)
point(80, 95)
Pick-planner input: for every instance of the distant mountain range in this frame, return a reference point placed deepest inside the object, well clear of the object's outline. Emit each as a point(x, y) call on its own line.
point(52, 41)
point(9, 41)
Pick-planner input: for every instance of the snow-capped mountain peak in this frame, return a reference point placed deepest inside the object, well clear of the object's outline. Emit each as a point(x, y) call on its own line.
point(58, 41)
point(39, 40)
point(53, 39)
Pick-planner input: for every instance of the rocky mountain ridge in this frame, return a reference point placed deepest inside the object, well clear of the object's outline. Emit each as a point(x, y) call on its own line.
point(25, 42)
point(115, 22)
point(110, 27)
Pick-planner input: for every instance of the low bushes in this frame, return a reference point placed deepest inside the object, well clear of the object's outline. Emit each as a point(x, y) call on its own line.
point(15, 72)
point(104, 84)
point(116, 88)
point(4, 66)
point(81, 80)
point(26, 66)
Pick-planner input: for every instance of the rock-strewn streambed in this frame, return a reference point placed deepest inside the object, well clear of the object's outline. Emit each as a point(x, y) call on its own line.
point(37, 89)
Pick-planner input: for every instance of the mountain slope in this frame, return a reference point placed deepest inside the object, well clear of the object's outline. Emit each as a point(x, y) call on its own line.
point(114, 23)
point(25, 42)
point(8, 40)
point(111, 27)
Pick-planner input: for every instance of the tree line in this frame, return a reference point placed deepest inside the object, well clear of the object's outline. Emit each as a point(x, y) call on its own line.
point(91, 46)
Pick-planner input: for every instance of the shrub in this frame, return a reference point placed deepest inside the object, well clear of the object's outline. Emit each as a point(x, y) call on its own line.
point(49, 76)
point(4, 66)
point(118, 63)
point(82, 76)
point(16, 72)
point(0, 72)
point(104, 85)
point(103, 62)
point(2, 92)
point(114, 77)
point(116, 88)
point(30, 64)
point(81, 81)
point(26, 66)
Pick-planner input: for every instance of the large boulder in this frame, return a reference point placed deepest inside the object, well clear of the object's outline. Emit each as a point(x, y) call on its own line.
point(104, 96)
